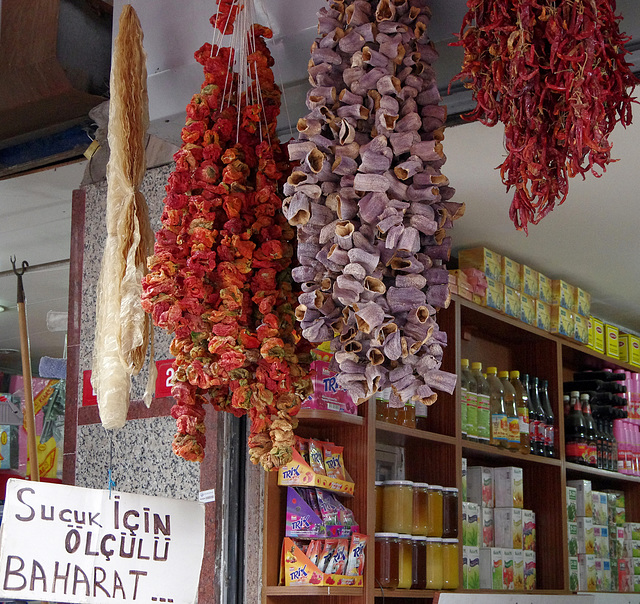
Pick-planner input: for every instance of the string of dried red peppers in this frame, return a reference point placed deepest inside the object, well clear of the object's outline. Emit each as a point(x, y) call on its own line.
point(554, 73)
point(220, 274)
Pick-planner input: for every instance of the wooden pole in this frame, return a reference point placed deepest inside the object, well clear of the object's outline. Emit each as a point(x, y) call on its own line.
point(26, 374)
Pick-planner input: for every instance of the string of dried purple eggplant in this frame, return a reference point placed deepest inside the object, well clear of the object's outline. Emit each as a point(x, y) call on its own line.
point(370, 202)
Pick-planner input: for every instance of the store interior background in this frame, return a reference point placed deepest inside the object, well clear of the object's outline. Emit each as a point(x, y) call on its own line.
point(592, 240)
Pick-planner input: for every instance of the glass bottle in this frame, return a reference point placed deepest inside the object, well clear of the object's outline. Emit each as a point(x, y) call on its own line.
point(387, 559)
point(592, 438)
point(536, 412)
point(419, 563)
point(405, 562)
point(566, 404)
point(601, 444)
point(522, 406)
point(464, 396)
point(575, 437)
point(421, 416)
point(499, 421)
point(483, 405)
point(409, 419)
point(513, 430)
point(614, 447)
point(434, 563)
point(549, 427)
point(469, 403)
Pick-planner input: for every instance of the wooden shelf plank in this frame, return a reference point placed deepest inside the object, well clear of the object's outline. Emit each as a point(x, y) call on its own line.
point(469, 447)
point(385, 428)
point(311, 590)
point(575, 468)
point(321, 416)
point(404, 593)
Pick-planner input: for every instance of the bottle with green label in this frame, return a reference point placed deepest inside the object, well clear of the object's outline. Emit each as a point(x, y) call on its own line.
point(513, 438)
point(482, 402)
point(469, 420)
point(499, 421)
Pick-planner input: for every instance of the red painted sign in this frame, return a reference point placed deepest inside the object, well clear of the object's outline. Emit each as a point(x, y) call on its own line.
point(88, 395)
point(165, 378)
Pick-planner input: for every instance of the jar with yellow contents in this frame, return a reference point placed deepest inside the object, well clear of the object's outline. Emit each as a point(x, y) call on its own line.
point(397, 506)
point(405, 562)
point(434, 563)
point(450, 564)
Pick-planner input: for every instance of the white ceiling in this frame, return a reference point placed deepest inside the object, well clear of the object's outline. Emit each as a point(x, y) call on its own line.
point(592, 240)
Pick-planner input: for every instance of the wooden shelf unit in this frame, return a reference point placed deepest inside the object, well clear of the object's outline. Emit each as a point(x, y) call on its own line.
point(434, 456)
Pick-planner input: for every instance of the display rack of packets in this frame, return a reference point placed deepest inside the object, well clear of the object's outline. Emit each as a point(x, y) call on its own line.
point(598, 558)
point(499, 535)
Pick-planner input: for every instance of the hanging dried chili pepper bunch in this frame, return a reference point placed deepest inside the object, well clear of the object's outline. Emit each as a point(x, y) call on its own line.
point(220, 274)
point(370, 201)
point(554, 73)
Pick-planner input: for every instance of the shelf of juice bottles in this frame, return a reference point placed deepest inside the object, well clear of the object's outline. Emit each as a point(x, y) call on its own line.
point(588, 471)
point(470, 448)
point(506, 596)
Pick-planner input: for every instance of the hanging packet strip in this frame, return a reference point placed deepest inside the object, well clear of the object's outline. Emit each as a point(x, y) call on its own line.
point(327, 553)
point(355, 563)
point(314, 550)
point(302, 444)
point(338, 562)
point(333, 461)
point(316, 460)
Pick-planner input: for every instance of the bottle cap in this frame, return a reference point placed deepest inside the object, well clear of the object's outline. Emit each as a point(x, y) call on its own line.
point(584, 396)
point(503, 374)
point(575, 393)
point(464, 362)
point(476, 366)
point(492, 370)
point(514, 374)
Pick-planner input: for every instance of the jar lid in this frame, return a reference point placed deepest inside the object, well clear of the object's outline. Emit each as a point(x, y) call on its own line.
point(387, 535)
point(435, 487)
point(379, 483)
point(404, 536)
point(397, 483)
point(418, 538)
point(420, 485)
point(455, 541)
point(450, 489)
point(434, 539)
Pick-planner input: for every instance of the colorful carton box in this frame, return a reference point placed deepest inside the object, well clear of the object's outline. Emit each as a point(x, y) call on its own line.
point(572, 504)
point(297, 473)
point(529, 570)
point(528, 530)
point(582, 303)
point(529, 281)
point(494, 295)
point(508, 485)
point(572, 538)
point(471, 578)
point(491, 568)
point(611, 347)
point(625, 575)
point(587, 579)
point(9, 449)
point(507, 568)
point(527, 309)
point(511, 302)
point(586, 536)
point(545, 291)
point(584, 502)
point(606, 575)
point(543, 315)
point(470, 524)
point(327, 393)
point(632, 530)
point(508, 527)
point(636, 584)
point(480, 486)
point(487, 527)
point(483, 259)
point(600, 510)
point(596, 336)
point(518, 569)
point(581, 329)
point(562, 322)
point(629, 349)
point(563, 294)
point(574, 573)
point(599, 574)
point(632, 548)
point(511, 273)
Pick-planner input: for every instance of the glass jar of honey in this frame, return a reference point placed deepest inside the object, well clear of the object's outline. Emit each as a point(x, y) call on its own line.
point(405, 563)
point(397, 506)
point(378, 506)
point(450, 574)
point(419, 563)
point(434, 511)
point(387, 558)
point(420, 520)
point(434, 563)
point(449, 512)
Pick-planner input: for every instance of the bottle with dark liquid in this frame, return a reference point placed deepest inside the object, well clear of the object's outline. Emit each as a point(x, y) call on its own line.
point(549, 428)
point(591, 433)
point(575, 436)
point(537, 413)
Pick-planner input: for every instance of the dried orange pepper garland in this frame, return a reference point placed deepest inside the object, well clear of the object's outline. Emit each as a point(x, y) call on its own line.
point(220, 274)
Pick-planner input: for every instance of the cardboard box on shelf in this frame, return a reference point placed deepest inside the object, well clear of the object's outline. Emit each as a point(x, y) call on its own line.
point(572, 538)
point(470, 524)
point(486, 527)
point(527, 309)
point(511, 273)
point(471, 579)
point(599, 508)
point(563, 294)
point(491, 568)
point(518, 569)
point(629, 349)
point(508, 555)
point(574, 573)
point(586, 536)
point(480, 485)
point(581, 329)
point(511, 302)
point(529, 570)
point(545, 291)
point(611, 347)
point(528, 530)
point(508, 487)
point(584, 502)
point(483, 259)
point(562, 321)
point(529, 281)
point(596, 334)
point(606, 575)
point(582, 302)
point(494, 295)
point(543, 315)
point(572, 504)
point(508, 527)
point(587, 578)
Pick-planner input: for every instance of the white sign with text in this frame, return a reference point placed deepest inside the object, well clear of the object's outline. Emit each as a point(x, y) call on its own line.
point(68, 544)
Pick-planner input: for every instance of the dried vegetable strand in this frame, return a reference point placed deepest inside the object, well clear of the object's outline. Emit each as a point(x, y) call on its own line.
point(554, 72)
point(123, 330)
point(220, 275)
point(370, 202)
